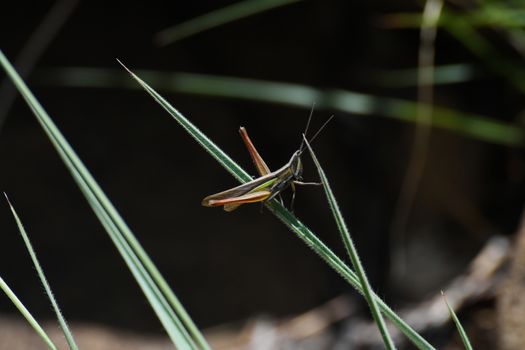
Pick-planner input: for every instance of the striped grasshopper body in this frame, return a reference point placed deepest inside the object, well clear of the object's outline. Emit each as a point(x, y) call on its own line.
point(268, 185)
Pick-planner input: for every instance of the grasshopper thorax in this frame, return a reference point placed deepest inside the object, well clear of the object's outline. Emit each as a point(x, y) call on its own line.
point(296, 166)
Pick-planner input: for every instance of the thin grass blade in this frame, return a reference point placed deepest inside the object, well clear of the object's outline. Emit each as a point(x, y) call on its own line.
point(169, 310)
point(352, 252)
point(459, 327)
point(217, 18)
point(23, 310)
point(283, 214)
point(467, 124)
point(444, 74)
point(61, 320)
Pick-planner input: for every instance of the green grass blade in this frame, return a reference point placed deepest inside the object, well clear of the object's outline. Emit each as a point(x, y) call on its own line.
point(61, 320)
point(283, 214)
point(22, 309)
point(460, 328)
point(444, 74)
point(217, 18)
point(352, 252)
point(468, 124)
point(172, 315)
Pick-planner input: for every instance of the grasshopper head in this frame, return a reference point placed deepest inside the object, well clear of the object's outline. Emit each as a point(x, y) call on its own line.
point(296, 166)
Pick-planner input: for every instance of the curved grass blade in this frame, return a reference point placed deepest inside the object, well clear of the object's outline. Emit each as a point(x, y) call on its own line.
point(61, 320)
point(294, 224)
point(459, 327)
point(468, 124)
point(217, 18)
point(169, 310)
point(22, 309)
point(352, 252)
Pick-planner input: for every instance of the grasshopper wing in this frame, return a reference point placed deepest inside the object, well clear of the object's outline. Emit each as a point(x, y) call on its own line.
point(231, 204)
point(262, 183)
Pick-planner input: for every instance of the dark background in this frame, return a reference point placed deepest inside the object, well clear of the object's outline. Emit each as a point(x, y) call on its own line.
point(229, 266)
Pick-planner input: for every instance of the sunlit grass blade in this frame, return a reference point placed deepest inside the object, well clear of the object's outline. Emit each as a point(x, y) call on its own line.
point(444, 74)
point(459, 327)
point(236, 11)
point(468, 124)
point(352, 252)
point(61, 320)
point(169, 310)
point(22, 309)
point(283, 214)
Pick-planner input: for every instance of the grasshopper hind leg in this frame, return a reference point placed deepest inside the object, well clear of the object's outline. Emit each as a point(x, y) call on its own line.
point(281, 199)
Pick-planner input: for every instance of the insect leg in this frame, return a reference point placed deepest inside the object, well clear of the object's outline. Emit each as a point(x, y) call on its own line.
point(293, 198)
point(300, 183)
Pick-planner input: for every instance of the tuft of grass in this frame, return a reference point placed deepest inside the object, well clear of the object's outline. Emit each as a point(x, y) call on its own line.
point(290, 220)
point(234, 12)
point(61, 320)
point(175, 320)
point(461, 330)
point(352, 252)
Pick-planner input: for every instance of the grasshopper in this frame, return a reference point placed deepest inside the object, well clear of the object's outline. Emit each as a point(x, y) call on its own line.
point(270, 184)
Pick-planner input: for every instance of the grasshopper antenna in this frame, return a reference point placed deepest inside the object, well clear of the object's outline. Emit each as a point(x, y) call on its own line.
point(316, 134)
point(307, 124)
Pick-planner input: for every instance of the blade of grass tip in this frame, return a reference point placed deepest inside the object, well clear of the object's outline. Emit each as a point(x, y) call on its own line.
point(217, 18)
point(460, 328)
point(63, 324)
point(197, 135)
point(147, 276)
point(294, 224)
point(23, 310)
point(352, 252)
